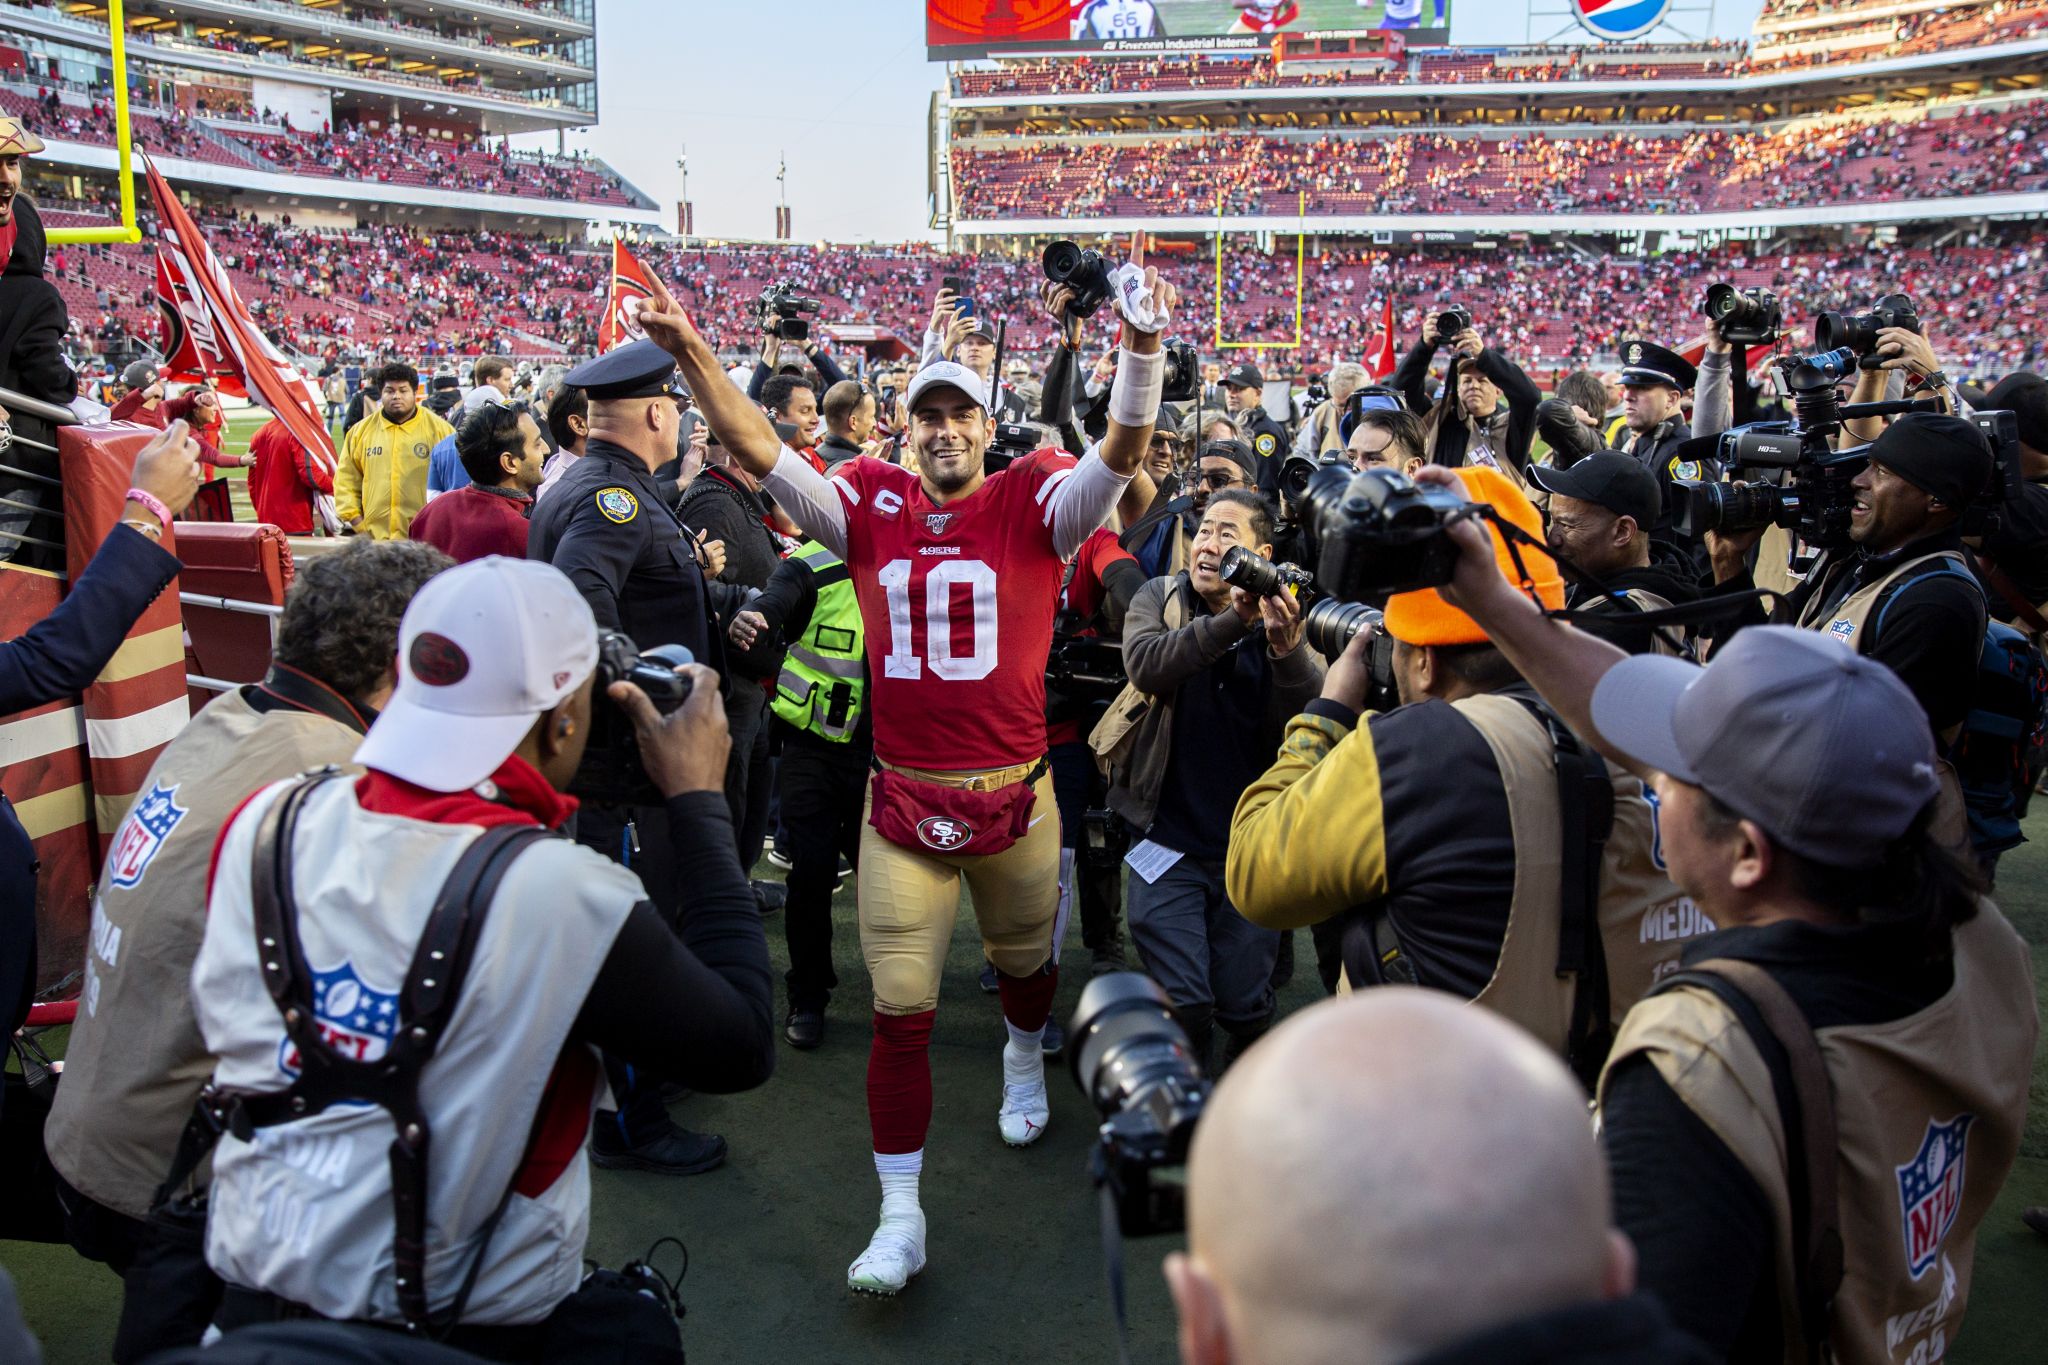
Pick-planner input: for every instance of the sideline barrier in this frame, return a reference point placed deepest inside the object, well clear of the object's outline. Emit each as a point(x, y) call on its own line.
point(234, 582)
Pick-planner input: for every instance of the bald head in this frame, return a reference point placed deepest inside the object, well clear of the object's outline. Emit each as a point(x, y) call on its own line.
point(1385, 1174)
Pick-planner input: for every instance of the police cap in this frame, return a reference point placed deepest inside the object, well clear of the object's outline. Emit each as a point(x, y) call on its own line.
point(1644, 364)
point(638, 369)
point(1243, 375)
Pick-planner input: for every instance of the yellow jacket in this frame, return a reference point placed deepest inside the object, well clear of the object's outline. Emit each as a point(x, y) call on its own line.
point(382, 477)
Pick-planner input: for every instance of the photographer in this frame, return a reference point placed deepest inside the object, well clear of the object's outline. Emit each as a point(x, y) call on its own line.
point(1319, 433)
point(1568, 421)
point(1486, 413)
point(1901, 593)
point(1840, 909)
point(1459, 1212)
point(792, 402)
point(1224, 672)
point(770, 363)
point(563, 955)
point(1601, 509)
point(1456, 834)
point(135, 1062)
point(969, 338)
point(2012, 561)
point(1163, 549)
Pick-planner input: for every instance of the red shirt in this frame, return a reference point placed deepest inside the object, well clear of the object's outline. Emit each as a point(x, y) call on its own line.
point(473, 522)
point(284, 479)
point(957, 602)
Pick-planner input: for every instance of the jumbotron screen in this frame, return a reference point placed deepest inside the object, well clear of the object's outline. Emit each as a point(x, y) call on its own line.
point(962, 29)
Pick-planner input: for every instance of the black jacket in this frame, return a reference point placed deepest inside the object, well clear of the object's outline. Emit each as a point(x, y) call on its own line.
point(1411, 378)
point(1631, 1331)
point(32, 317)
point(1616, 626)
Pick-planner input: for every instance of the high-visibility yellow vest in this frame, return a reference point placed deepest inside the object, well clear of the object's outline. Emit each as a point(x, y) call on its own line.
point(823, 684)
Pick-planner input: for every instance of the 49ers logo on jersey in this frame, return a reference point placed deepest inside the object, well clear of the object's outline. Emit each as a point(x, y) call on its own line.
point(937, 522)
point(1931, 1191)
point(944, 832)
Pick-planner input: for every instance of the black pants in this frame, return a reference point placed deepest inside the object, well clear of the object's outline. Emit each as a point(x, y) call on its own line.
point(747, 775)
point(636, 837)
point(823, 785)
point(1079, 787)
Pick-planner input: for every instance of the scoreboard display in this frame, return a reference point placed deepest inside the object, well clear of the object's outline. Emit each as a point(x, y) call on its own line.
point(958, 30)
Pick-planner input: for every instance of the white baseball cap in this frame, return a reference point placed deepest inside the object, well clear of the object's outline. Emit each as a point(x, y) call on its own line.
point(952, 375)
point(485, 648)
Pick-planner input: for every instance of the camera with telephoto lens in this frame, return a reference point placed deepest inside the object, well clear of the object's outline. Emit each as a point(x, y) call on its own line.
point(781, 310)
point(1858, 331)
point(1183, 373)
point(1133, 1061)
point(1331, 626)
point(611, 772)
point(1814, 497)
point(1746, 317)
point(1080, 269)
point(1244, 567)
point(1452, 319)
point(1379, 531)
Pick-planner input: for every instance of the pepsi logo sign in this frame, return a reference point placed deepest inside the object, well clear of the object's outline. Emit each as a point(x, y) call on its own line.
point(1615, 20)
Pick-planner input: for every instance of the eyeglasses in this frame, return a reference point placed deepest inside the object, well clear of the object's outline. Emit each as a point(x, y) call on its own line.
point(1222, 478)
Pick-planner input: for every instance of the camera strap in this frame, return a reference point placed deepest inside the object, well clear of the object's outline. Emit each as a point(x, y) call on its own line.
point(1113, 1268)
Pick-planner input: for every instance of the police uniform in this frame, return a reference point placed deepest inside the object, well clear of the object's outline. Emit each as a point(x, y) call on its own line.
point(1011, 406)
point(1266, 437)
point(1657, 450)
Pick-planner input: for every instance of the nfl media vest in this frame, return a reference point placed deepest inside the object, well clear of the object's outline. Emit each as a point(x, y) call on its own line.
point(304, 1209)
point(1928, 1114)
point(1644, 921)
point(823, 684)
point(136, 1061)
point(1852, 614)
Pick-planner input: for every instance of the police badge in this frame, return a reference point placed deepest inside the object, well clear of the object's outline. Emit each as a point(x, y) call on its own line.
point(618, 505)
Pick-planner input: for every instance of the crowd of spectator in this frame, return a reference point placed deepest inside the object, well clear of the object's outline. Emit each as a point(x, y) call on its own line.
point(1701, 170)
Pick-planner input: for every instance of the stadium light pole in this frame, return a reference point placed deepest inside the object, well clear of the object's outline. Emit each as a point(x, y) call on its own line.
point(124, 149)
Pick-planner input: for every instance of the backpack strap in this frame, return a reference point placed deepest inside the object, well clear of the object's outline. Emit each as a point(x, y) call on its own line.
point(1806, 1108)
point(1945, 566)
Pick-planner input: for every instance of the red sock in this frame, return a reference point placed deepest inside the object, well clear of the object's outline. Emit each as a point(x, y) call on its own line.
point(1027, 1000)
point(900, 1081)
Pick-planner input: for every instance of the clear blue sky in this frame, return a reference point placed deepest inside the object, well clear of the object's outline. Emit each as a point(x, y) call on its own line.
point(842, 88)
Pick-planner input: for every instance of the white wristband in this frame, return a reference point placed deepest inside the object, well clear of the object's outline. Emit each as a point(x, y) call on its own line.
point(1134, 393)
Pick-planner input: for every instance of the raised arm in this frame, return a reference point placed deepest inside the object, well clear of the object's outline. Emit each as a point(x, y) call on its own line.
point(739, 426)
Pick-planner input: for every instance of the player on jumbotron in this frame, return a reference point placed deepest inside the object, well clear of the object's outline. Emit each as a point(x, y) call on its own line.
point(957, 571)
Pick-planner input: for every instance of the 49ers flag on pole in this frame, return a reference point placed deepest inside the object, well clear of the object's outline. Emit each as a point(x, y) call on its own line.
point(630, 288)
point(209, 333)
point(1379, 357)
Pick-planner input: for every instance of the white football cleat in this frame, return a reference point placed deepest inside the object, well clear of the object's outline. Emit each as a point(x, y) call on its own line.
point(894, 1254)
point(1025, 1112)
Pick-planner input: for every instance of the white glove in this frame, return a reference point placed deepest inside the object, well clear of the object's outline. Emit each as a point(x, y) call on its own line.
point(1134, 299)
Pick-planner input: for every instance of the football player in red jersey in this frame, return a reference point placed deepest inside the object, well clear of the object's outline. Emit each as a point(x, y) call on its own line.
point(1262, 16)
point(957, 571)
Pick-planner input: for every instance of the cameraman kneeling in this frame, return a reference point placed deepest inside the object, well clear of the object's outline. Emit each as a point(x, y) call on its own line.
point(1863, 1022)
point(1456, 834)
point(321, 891)
point(1224, 671)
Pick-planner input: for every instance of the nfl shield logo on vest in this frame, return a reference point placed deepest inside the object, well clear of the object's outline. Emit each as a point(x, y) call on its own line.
point(1931, 1191)
point(155, 815)
point(943, 832)
point(355, 1020)
point(1842, 628)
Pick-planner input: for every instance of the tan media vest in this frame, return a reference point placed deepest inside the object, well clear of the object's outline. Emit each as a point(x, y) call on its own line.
point(1929, 1111)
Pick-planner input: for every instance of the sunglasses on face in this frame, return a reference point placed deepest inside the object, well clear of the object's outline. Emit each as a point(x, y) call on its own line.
point(1221, 478)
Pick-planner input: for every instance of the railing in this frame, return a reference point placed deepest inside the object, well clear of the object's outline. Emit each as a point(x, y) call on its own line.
point(207, 599)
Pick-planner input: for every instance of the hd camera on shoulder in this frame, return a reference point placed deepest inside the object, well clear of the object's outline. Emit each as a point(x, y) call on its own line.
point(611, 772)
point(782, 310)
point(1080, 269)
point(1857, 332)
point(1746, 317)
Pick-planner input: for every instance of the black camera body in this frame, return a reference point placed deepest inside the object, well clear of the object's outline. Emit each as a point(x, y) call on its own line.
point(611, 772)
point(1244, 567)
point(1857, 332)
point(1080, 269)
point(1183, 373)
point(1012, 442)
point(1083, 676)
point(1329, 624)
point(1451, 319)
point(1133, 1061)
point(1746, 317)
point(782, 309)
point(1379, 531)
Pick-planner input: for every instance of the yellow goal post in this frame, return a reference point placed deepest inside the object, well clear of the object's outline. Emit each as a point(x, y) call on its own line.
point(124, 148)
point(1300, 256)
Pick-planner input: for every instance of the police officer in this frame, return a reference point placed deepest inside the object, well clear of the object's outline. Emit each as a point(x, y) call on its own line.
point(1654, 382)
point(1244, 390)
point(1459, 837)
point(608, 528)
point(1812, 846)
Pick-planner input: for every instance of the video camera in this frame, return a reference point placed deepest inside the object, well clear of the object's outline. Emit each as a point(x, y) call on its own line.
point(1012, 442)
point(781, 312)
point(1858, 332)
point(611, 772)
point(1329, 625)
point(1746, 317)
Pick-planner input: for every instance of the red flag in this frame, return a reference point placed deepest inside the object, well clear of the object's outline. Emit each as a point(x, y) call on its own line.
point(219, 337)
point(1379, 357)
point(630, 288)
point(191, 352)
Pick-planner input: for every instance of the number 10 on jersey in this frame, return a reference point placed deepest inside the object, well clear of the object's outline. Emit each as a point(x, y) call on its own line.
point(902, 660)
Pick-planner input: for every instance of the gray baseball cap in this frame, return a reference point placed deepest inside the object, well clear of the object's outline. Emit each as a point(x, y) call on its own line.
point(1825, 749)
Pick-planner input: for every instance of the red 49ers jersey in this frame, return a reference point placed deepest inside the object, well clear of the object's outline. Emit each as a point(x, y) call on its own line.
point(957, 606)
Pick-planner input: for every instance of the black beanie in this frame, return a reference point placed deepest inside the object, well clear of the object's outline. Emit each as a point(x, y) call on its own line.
point(2026, 397)
point(1945, 456)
